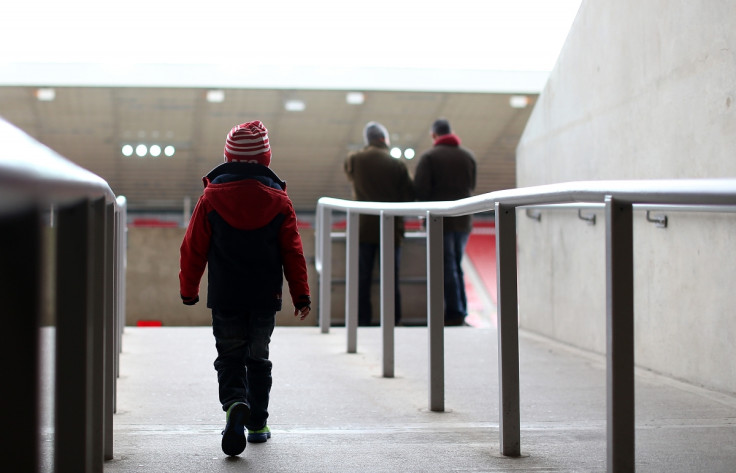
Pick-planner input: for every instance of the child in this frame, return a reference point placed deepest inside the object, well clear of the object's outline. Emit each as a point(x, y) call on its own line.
point(244, 227)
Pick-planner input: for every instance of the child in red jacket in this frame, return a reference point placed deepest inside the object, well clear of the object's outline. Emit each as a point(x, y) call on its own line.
point(244, 227)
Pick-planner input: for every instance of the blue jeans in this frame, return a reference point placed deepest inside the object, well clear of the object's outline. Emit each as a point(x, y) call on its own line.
point(366, 258)
point(243, 369)
point(456, 302)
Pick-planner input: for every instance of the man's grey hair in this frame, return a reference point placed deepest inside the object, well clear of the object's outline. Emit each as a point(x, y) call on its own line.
point(374, 133)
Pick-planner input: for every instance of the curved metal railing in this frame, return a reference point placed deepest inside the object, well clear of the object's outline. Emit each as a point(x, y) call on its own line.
point(617, 197)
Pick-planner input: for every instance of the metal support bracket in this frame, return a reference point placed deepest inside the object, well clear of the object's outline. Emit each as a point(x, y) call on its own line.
point(590, 218)
point(659, 220)
point(534, 214)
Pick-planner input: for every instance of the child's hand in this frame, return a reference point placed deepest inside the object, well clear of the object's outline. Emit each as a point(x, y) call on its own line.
point(189, 300)
point(302, 313)
point(302, 307)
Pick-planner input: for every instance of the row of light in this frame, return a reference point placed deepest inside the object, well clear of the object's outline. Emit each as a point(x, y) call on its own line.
point(292, 105)
point(48, 94)
point(142, 150)
point(408, 153)
point(296, 105)
point(352, 98)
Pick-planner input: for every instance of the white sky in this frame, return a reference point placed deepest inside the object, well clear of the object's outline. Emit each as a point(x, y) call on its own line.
point(510, 35)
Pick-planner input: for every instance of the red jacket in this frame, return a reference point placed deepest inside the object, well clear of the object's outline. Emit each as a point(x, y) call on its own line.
point(244, 227)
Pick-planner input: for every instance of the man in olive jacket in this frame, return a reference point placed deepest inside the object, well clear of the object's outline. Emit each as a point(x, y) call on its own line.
point(376, 177)
point(447, 171)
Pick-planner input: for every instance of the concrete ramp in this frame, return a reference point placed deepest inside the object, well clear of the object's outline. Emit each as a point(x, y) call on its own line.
point(333, 412)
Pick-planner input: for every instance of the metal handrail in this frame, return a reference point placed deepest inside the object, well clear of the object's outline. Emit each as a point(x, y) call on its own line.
point(88, 289)
point(32, 172)
point(651, 207)
point(618, 198)
point(534, 212)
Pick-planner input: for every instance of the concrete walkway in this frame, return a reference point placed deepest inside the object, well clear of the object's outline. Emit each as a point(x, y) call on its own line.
point(334, 412)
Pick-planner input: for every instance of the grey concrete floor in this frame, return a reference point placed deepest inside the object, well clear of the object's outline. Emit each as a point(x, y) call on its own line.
point(334, 412)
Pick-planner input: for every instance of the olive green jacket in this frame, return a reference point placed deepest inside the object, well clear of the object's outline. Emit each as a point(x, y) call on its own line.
point(378, 177)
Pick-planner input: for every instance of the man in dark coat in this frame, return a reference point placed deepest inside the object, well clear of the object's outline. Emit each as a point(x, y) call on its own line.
point(377, 177)
point(447, 171)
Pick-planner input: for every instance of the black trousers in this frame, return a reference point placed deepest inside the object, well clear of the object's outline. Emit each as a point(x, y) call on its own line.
point(243, 369)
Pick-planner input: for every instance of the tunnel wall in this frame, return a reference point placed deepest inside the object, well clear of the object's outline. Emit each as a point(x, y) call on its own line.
point(640, 90)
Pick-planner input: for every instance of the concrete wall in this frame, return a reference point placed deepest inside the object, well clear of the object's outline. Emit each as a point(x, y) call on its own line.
point(153, 282)
point(641, 90)
point(412, 276)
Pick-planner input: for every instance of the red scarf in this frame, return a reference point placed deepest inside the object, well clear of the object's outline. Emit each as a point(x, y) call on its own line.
point(449, 139)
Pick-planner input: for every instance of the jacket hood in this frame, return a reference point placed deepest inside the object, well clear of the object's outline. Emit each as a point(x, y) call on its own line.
point(246, 199)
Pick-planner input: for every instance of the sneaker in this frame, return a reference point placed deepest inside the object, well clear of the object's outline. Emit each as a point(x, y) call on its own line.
point(233, 437)
point(259, 436)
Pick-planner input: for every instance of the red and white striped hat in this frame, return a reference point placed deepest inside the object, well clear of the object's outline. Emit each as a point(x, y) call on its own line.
point(248, 143)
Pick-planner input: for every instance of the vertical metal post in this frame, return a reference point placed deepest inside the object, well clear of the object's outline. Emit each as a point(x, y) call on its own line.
point(388, 293)
point(96, 319)
point(325, 262)
point(73, 340)
point(122, 268)
point(20, 293)
point(508, 330)
point(436, 312)
point(351, 280)
point(186, 210)
point(620, 336)
point(117, 295)
point(110, 328)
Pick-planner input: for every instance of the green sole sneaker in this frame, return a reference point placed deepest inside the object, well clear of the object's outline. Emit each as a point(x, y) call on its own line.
point(259, 436)
point(233, 437)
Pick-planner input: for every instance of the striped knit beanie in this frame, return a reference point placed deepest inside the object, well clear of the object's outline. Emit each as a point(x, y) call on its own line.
point(248, 143)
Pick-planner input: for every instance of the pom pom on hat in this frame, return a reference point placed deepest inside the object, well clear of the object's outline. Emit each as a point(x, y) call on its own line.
point(248, 143)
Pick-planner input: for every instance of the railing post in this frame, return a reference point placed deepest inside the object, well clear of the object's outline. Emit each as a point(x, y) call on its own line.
point(508, 330)
point(351, 279)
point(73, 339)
point(619, 336)
point(120, 271)
point(121, 263)
point(110, 329)
point(388, 293)
point(96, 319)
point(436, 312)
point(20, 293)
point(325, 264)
